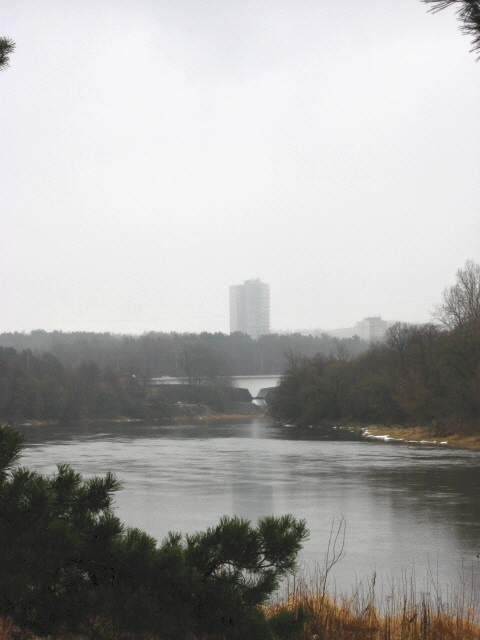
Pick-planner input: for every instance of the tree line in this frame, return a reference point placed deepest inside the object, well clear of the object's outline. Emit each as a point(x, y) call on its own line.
point(57, 376)
point(40, 388)
point(156, 354)
point(427, 374)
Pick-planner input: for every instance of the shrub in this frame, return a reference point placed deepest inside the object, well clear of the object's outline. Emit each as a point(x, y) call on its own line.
point(67, 562)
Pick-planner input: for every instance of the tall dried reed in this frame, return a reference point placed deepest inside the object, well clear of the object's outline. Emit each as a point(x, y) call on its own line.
point(372, 612)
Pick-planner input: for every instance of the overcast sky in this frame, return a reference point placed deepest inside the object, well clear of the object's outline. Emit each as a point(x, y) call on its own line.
point(153, 152)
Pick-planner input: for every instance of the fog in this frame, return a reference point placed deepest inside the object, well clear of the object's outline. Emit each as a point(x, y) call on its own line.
point(155, 152)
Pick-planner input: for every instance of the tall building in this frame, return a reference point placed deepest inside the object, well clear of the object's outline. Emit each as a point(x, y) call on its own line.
point(250, 308)
point(372, 329)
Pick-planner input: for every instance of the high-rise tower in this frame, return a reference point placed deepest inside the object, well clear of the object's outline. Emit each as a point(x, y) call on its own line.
point(250, 308)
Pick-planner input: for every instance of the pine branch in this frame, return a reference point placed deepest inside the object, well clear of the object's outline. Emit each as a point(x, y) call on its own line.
point(468, 12)
point(7, 47)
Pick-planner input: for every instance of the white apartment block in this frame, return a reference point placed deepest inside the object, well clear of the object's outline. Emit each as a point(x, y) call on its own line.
point(250, 308)
point(372, 329)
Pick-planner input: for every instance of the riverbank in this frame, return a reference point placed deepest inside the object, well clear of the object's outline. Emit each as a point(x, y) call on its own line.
point(400, 433)
point(313, 615)
point(180, 413)
point(405, 616)
point(201, 413)
point(420, 435)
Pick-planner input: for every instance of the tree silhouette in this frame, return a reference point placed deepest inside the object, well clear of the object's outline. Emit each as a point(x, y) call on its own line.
point(461, 302)
point(468, 12)
point(7, 47)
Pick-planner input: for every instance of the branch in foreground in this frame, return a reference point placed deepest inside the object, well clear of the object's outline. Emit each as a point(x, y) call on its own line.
point(468, 12)
point(7, 47)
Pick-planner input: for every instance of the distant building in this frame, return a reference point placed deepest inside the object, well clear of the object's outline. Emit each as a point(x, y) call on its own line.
point(237, 308)
point(250, 308)
point(372, 329)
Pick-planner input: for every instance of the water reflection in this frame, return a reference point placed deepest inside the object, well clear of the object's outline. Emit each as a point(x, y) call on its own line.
point(407, 508)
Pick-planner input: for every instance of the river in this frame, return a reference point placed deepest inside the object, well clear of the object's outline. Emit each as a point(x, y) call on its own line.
point(409, 510)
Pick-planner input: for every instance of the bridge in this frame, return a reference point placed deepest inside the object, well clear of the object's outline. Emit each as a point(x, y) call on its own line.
point(258, 386)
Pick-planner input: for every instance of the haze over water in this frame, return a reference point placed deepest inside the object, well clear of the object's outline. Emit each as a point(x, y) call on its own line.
point(409, 509)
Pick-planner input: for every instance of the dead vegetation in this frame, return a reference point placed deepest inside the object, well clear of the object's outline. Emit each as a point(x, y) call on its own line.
point(404, 614)
point(401, 616)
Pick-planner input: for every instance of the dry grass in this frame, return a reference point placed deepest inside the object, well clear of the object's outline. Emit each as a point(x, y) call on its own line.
point(426, 434)
point(404, 615)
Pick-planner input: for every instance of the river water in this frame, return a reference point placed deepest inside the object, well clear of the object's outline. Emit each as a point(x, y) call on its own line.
point(409, 510)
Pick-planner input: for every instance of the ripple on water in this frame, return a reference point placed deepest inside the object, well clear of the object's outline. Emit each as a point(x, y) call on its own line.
point(405, 506)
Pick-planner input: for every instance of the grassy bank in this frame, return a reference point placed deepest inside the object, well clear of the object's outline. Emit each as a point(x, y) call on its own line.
point(312, 614)
point(404, 616)
point(419, 434)
point(179, 414)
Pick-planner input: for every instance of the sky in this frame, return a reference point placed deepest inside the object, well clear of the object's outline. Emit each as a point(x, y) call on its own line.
point(153, 153)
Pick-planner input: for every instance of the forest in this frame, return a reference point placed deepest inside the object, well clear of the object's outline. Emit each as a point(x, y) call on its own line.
point(168, 354)
point(69, 376)
point(427, 374)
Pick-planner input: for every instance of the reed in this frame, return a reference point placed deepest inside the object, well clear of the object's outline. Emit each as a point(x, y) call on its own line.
point(402, 612)
point(399, 611)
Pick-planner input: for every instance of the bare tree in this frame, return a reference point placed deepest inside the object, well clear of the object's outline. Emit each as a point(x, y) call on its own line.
point(461, 302)
point(468, 12)
point(335, 551)
point(398, 338)
point(6, 48)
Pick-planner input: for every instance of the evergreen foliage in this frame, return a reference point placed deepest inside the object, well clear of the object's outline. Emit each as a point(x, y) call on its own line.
point(468, 12)
point(68, 563)
point(7, 47)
